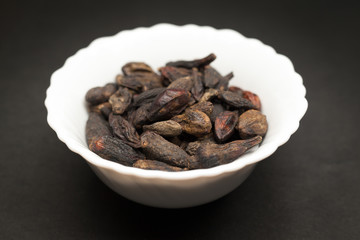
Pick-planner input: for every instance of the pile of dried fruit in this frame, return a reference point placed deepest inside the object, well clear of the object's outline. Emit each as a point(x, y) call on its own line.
point(185, 118)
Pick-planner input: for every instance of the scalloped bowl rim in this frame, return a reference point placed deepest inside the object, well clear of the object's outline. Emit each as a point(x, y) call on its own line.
point(248, 159)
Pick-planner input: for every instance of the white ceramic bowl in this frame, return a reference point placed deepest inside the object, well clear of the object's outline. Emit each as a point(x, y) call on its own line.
point(257, 67)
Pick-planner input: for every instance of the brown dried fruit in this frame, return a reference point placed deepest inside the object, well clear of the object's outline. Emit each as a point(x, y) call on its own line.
point(167, 128)
point(120, 100)
point(205, 107)
point(173, 73)
point(133, 67)
point(211, 77)
point(235, 89)
point(198, 89)
point(114, 149)
point(192, 147)
point(235, 100)
point(252, 123)
point(124, 130)
point(211, 155)
point(185, 83)
point(96, 126)
point(225, 125)
point(147, 96)
point(140, 81)
point(168, 104)
point(156, 147)
point(209, 94)
point(253, 98)
point(99, 95)
point(194, 63)
point(139, 116)
point(156, 165)
point(104, 108)
point(217, 109)
point(194, 122)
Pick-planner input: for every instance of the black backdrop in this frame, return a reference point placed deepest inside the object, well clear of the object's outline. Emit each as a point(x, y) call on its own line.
point(308, 189)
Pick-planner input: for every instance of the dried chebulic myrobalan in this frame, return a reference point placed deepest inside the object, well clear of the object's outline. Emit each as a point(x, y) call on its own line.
point(99, 95)
point(168, 128)
point(252, 123)
point(181, 119)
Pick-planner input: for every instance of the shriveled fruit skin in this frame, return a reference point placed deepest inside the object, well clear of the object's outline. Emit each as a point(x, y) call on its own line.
point(252, 123)
point(140, 81)
point(156, 165)
point(211, 155)
point(236, 100)
point(217, 109)
point(185, 83)
point(253, 98)
point(114, 149)
point(172, 73)
point(147, 96)
point(104, 108)
point(120, 100)
point(209, 94)
point(225, 125)
point(205, 107)
point(124, 130)
point(211, 77)
point(133, 67)
point(167, 128)
point(156, 147)
point(198, 89)
point(99, 95)
point(193, 63)
point(96, 126)
point(168, 104)
point(194, 122)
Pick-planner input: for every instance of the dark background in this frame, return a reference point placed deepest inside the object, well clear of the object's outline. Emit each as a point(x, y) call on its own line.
point(308, 189)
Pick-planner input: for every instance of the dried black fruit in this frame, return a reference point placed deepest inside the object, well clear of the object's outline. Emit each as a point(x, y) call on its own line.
point(120, 100)
point(168, 104)
point(205, 107)
point(211, 155)
point(194, 63)
point(235, 89)
point(99, 95)
point(253, 98)
point(192, 147)
point(224, 82)
point(124, 130)
point(156, 147)
point(114, 149)
point(133, 67)
point(225, 125)
point(167, 128)
point(236, 100)
point(156, 165)
point(140, 81)
point(173, 73)
point(217, 109)
point(185, 83)
point(139, 117)
point(147, 96)
point(198, 89)
point(104, 108)
point(209, 94)
point(194, 122)
point(96, 126)
point(252, 123)
point(211, 77)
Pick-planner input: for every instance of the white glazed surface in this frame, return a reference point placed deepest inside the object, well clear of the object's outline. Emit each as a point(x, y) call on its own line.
point(257, 67)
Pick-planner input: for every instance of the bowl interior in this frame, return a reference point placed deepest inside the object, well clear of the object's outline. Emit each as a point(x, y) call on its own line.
point(256, 67)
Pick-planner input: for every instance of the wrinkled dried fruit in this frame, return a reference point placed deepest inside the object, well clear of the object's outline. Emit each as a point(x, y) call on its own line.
point(211, 155)
point(217, 109)
point(225, 125)
point(114, 149)
point(167, 128)
point(156, 165)
point(185, 83)
point(124, 130)
point(235, 89)
point(140, 81)
point(194, 63)
point(205, 107)
point(253, 98)
point(209, 94)
point(120, 100)
point(211, 77)
point(139, 117)
point(192, 147)
point(168, 104)
point(147, 96)
point(156, 147)
point(198, 89)
point(194, 122)
point(96, 126)
point(235, 100)
point(252, 123)
point(173, 73)
point(104, 108)
point(133, 67)
point(99, 95)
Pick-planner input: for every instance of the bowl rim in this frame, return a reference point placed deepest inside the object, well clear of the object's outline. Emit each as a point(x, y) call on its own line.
point(236, 165)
